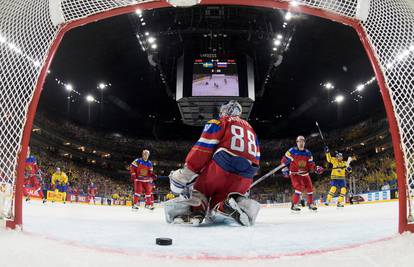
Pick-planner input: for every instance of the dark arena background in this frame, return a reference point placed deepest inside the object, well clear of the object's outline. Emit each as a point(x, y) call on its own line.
point(87, 86)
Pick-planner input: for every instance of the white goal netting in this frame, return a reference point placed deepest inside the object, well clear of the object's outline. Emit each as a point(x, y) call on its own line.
point(27, 31)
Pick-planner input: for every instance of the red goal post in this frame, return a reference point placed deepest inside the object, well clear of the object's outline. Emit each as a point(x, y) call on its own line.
point(31, 31)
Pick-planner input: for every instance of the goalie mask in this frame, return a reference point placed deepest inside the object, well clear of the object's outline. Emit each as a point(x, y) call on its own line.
point(233, 109)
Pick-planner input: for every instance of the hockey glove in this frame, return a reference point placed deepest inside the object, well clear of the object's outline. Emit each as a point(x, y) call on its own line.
point(285, 172)
point(326, 149)
point(349, 169)
point(319, 170)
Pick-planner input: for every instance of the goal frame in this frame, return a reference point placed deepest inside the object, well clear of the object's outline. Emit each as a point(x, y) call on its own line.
point(275, 4)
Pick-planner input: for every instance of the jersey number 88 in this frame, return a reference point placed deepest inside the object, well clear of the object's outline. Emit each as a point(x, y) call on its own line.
point(238, 142)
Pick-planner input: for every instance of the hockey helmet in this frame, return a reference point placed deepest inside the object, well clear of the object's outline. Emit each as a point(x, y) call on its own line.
point(232, 108)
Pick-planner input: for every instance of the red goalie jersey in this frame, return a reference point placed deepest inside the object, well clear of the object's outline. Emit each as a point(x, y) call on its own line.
point(231, 134)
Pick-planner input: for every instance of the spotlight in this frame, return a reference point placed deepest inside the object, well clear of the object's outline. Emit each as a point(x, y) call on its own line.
point(288, 16)
point(90, 98)
point(69, 87)
point(339, 99)
point(102, 86)
point(329, 86)
point(360, 87)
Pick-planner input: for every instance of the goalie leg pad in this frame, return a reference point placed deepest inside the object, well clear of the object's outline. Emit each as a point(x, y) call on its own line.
point(248, 209)
point(176, 207)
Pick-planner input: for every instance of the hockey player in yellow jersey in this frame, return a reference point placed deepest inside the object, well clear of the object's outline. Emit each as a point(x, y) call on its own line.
point(60, 182)
point(338, 175)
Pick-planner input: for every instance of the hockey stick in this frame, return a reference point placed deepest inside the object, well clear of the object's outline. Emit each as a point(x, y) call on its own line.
point(320, 133)
point(267, 175)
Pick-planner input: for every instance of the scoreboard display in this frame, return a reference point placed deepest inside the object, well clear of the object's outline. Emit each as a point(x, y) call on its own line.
point(215, 77)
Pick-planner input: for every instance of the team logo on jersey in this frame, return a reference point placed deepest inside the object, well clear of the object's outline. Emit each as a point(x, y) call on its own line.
point(143, 172)
point(302, 164)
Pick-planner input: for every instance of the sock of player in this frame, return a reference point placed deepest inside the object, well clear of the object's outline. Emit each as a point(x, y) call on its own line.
point(342, 195)
point(309, 198)
point(148, 200)
point(136, 199)
point(296, 196)
point(331, 194)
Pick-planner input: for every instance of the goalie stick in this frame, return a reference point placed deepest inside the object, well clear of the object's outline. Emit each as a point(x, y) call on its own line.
point(266, 175)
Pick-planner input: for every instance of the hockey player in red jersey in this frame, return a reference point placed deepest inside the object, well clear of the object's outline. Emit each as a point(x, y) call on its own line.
point(299, 162)
point(142, 176)
point(92, 191)
point(218, 172)
point(32, 174)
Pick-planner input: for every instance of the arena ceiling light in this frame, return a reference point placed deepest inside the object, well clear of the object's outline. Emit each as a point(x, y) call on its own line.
point(328, 86)
point(277, 42)
point(138, 12)
point(154, 46)
point(360, 87)
point(279, 36)
point(69, 87)
point(151, 40)
point(102, 86)
point(288, 16)
point(90, 98)
point(339, 99)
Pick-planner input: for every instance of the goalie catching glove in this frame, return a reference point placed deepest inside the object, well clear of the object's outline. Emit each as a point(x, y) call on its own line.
point(181, 181)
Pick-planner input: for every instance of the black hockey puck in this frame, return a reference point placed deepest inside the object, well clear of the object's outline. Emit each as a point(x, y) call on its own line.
point(163, 241)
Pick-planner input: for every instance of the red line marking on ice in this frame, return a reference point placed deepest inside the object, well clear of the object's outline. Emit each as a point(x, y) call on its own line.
point(206, 256)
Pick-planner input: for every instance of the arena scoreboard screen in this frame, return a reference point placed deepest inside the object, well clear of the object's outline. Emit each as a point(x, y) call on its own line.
point(215, 77)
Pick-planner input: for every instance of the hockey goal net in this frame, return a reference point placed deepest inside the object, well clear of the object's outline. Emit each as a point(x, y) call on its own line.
point(30, 33)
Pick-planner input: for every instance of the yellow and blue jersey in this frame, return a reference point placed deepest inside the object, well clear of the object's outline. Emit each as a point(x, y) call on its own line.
point(338, 167)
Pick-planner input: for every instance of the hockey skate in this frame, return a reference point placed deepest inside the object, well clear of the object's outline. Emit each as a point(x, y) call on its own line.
point(232, 209)
point(150, 207)
point(295, 208)
point(135, 207)
point(312, 207)
point(195, 218)
point(339, 205)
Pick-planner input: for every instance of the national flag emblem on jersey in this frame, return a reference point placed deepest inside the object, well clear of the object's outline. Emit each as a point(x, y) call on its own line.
point(302, 164)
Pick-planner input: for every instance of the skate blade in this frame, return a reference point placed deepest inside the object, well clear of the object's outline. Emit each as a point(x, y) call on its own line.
point(295, 211)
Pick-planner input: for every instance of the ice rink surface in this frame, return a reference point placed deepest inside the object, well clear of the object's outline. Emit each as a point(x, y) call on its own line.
point(86, 235)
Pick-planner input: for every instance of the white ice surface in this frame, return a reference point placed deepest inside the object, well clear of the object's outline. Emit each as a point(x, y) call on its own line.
point(83, 235)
